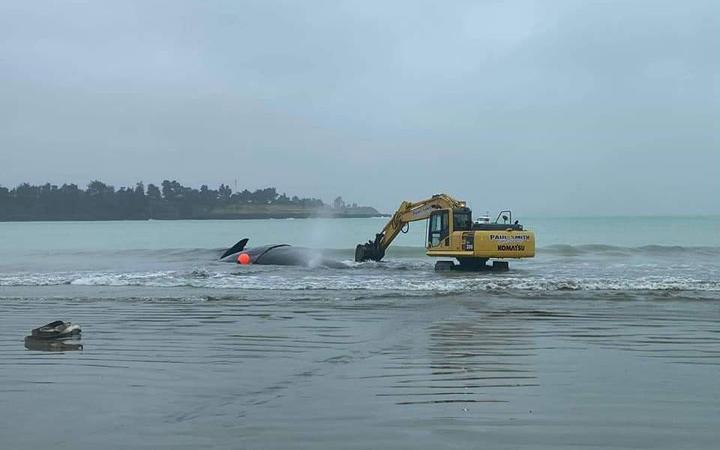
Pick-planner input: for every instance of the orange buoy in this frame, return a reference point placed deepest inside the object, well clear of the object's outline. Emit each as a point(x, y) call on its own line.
point(243, 258)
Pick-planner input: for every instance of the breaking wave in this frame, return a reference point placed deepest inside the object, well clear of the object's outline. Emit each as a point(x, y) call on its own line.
point(398, 252)
point(465, 283)
point(611, 250)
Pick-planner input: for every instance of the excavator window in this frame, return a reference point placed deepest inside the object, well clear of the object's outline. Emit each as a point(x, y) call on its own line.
point(438, 229)
point(462, 221)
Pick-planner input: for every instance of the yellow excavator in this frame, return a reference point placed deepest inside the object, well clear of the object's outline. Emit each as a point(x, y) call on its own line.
point(452, 233)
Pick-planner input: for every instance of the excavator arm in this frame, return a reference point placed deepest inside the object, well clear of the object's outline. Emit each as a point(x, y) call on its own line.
point(406, 213)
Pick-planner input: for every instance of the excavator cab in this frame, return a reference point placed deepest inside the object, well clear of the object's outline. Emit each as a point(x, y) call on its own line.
point(442, 224)
point(439, 228)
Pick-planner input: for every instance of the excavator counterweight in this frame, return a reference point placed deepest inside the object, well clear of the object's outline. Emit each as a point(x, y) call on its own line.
point(452, 233)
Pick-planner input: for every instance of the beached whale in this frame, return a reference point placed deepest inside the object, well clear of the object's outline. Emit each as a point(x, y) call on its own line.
point(278, 254)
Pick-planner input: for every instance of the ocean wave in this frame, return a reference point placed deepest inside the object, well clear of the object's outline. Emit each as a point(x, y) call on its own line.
point(202, 278)
point(405, 252)
point(612, 250)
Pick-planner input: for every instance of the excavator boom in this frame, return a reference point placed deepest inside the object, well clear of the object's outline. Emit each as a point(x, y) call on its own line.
point(406, 213)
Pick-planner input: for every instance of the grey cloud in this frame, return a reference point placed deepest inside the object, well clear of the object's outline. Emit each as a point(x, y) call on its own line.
point(548, 107)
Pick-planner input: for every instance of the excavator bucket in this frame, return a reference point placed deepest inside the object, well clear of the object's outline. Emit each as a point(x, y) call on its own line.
point(370, 251)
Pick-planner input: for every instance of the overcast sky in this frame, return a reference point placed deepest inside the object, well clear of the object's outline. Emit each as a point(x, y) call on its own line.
point(549, 107)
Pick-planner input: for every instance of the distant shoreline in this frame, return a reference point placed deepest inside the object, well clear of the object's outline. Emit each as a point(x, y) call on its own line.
point(249, 216)
point(170, 201)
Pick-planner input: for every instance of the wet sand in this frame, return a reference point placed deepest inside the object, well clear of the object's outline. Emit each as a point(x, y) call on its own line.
point(314, 370)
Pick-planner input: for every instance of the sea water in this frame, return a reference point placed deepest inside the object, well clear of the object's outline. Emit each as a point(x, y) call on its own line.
point(610, 337)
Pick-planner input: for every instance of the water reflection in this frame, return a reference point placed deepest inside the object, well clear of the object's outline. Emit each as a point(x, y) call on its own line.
point(476, 357)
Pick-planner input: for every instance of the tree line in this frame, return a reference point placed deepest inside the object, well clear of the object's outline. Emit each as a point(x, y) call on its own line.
point(170, 200)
